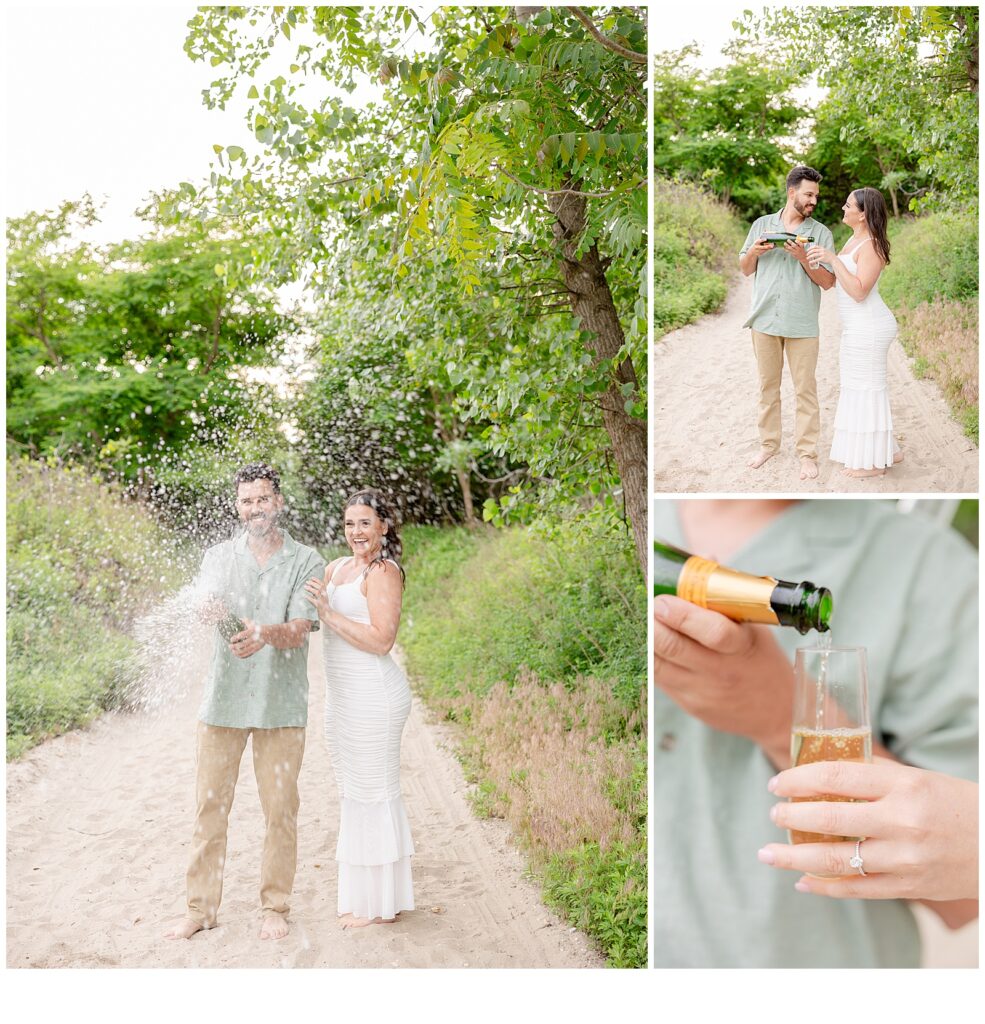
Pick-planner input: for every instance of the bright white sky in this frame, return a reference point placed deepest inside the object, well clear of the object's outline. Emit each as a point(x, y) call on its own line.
point(707, 24)
point(104, 99)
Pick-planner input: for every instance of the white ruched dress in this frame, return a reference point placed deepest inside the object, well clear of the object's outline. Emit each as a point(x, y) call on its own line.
point(863, 427)
point(366, 705)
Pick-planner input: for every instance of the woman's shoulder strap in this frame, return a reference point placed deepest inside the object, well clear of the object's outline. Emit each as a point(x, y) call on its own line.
point(338, 565)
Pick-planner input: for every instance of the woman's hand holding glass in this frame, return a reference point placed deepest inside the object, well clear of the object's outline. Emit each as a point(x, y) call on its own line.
point(817, 254)
point(921, 831)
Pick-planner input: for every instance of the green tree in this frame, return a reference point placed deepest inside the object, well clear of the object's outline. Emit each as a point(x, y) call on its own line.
point(125, 356)
point(904, 79)
point(731, 130)
point(507, 143)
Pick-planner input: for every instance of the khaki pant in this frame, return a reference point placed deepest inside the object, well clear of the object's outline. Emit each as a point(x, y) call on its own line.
point(802, 362)
point(277, 763)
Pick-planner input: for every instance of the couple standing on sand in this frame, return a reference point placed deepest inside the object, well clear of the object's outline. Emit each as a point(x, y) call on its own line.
point(264, 593)
point(784, 319)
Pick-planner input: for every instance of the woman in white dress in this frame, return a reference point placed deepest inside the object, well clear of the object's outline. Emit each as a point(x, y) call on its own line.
point(863, 430)
point(366, 705)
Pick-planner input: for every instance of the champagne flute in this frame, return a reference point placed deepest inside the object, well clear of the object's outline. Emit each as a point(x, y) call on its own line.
point(813, 261)
point(830, 716)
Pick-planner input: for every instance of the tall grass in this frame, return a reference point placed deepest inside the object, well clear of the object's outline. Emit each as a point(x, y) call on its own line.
point(535, 645)
point(81, 563)
point(932, 287)
point(695, 252)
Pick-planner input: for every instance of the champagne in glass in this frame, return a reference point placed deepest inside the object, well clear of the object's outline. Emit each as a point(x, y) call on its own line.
point(830, 716)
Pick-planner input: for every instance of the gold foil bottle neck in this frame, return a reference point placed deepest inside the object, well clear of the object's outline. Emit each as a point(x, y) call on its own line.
point(738, 595)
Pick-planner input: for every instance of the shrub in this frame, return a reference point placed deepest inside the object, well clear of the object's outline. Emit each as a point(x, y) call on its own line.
point(81, 563)
point(932, 287)
point(534, 643)
point(696, 241)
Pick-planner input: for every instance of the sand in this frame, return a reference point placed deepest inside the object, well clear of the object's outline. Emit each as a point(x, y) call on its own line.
point(704, 402)
point(99, 825)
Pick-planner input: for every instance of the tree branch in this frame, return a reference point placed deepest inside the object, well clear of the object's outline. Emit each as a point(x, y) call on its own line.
point(636, 58)
point(564, 191)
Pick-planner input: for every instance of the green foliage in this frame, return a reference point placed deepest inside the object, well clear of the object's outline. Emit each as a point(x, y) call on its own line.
point(933, 257)
point(500, 631)
point(932, 286)
point(727, 130)
point(604, 893)
point(81, 563)
point(903, 88)
point(486, 607)
point(696, 241)
point(125, 356)
point(492, 125)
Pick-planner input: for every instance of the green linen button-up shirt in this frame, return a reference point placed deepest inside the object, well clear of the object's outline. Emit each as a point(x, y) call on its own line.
point(268, 690)
point(785, 301)
point(904, 588)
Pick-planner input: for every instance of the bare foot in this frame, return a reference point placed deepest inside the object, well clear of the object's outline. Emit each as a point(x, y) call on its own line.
point(859, 474)
point(347, 921)
point(808, 469)
point(764, 456)
point(897, 458)
point(274, 927)
point(184, 929)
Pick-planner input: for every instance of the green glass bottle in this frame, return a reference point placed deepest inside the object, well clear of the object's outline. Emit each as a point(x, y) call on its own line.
point(230, 626)
point(739, 595)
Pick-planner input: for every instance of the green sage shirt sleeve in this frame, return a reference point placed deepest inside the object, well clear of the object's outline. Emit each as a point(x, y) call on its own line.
point(300, 607)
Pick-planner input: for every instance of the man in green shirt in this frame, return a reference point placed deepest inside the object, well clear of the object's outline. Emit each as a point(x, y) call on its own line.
point(252, 590)
point(904, 588)
point(786, 297)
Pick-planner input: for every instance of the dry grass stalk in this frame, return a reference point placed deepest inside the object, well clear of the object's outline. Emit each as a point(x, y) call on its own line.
point(543, 750)
point(943, 337)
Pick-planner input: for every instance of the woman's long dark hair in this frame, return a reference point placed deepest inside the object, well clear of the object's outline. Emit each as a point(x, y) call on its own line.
point(871, 203)
point(390, 545)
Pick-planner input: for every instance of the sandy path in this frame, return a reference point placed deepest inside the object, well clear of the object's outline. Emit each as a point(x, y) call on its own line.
point(705, 408)
point(98, 830)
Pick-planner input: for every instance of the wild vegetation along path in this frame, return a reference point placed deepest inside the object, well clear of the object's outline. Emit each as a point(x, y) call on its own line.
point(99, 824)
point(704, 397)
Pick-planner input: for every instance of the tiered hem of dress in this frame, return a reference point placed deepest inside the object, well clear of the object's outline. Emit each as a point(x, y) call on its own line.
point(863, 430)
point(373, 854)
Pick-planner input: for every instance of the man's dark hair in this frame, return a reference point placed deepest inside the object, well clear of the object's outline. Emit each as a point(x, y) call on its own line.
point(799, 174)
point(257, 471)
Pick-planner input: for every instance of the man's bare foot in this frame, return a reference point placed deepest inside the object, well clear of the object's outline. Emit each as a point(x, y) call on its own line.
point(184, 929)
point(274, 927)
point(808, 469)
point(347, 921)
point(859, 474)
point(764, 456)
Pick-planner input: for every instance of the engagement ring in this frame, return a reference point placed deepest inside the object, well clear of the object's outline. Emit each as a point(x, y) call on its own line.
point(856, 861)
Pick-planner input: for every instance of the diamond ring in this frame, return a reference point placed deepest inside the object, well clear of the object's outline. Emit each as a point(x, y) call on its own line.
point(856, 861)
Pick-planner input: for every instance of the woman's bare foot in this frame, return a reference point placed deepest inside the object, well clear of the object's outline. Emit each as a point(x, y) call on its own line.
point(764, 456)
point(897, 458)
point(184, 929)
point(808, 469)
point(860, 474)
point(274, 927)
point(347, 921)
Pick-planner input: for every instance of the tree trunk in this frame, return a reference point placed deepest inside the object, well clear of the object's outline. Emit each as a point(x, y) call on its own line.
point(591, 302)
point(466, 487)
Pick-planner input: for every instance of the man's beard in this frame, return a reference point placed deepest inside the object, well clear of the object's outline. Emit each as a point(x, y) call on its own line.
point(260, 526)
point(803, 209)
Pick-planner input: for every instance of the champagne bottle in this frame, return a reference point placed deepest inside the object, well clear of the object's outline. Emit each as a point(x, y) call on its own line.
point(739, 595)
point(230, 626)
